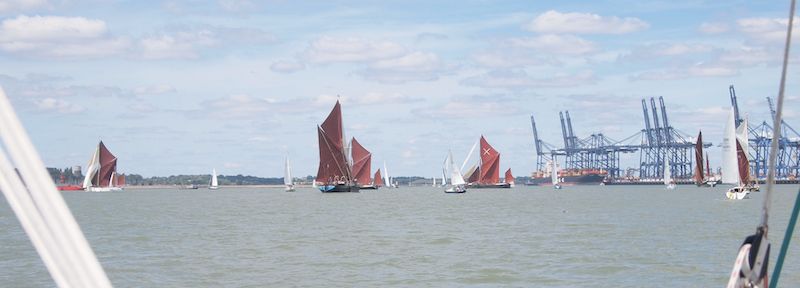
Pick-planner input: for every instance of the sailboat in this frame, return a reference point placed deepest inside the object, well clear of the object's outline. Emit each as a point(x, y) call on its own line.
point(377, 181)
point(362, 161)
point(554, 173)
point(668, 174)
point(733, 156)
point(700, 177)
point(457, 183)
point(509, 178)
point(214, 184)
point(335, 172)
point(386, 177)
point(487, 174)
point(287, 176)
point(101, 171)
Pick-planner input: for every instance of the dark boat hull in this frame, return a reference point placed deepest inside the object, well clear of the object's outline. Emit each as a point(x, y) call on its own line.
point(338, 188)
point(590, 179)
point(499, 185)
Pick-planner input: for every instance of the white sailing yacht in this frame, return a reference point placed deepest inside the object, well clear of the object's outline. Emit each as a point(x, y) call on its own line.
point(554, 174)
point(386, 177)
point(457, 183)
point(214, 184)
point(733, 156)
point(287, 176)
point(668, 174)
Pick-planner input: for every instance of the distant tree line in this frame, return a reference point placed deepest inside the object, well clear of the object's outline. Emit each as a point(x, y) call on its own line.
point(201, 180)
point(69, 176)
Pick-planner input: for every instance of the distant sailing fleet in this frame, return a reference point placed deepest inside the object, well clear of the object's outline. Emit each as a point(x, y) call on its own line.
point(345, 166)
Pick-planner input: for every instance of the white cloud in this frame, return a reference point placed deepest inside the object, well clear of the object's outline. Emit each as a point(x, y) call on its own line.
point(698, 70)
point(413, 62)
point(510, 58)
point(380, 98)
point(23, 5)
point(468, 107)
point(166, 47)
point(260, 139)
point(749, 57)
point(232, 165)
point(186, 42)
point(712, 28)
point(60, 38)
point(558, 44)
point(766, 30)
point(286, 67)
point(47, 91)
point(235, 106)
point(505, 78)
point(58, 106)
point(351, 49)
point(415, 66)
point(237, 6)
point(155, 89)
point(361, 127)
point(584, 23)
point(647, 52)
point(142, 108)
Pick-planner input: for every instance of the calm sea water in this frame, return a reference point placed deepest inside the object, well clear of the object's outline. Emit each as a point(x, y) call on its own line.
point(619, 236)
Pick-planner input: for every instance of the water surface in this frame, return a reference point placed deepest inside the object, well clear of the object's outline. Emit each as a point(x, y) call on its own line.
point(580, 236)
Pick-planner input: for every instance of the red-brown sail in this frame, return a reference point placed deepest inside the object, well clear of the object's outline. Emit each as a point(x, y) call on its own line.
point(362, 160)
point(333, 166)
point(108, 166)
point(698, 157)
point(509, 178)
point(378, 179)
point(490, 162)
point(744, 164)
point(121, 180)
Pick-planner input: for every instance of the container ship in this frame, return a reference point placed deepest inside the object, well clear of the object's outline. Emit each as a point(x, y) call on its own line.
point(569, 177)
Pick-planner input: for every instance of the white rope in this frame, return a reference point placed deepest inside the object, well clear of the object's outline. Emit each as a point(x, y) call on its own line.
point(42, 211)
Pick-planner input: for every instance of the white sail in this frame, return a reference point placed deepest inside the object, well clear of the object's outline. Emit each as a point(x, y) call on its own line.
point(470, 171)
point(455, 174)
point(470, 154)
point(554, 172)
point(287, 176)
point(92, 168)
point(730, 166)
point(386, 176)
point(214, 182)
point(667, 171)
point(287, 173)
point(741, 136)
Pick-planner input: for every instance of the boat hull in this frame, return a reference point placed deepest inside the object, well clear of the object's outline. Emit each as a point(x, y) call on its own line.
point(498, 185)
point(737, 193)
point(455, 189)
point(69, 188)
point(338, 188)
point(368, 187)
point(590, 179)
point(103, 189)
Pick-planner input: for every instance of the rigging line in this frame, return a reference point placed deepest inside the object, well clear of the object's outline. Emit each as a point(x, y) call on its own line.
point(771, 172)
point(776, 135)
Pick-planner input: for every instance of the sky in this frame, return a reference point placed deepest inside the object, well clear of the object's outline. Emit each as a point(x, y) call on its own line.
point(181, 87)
